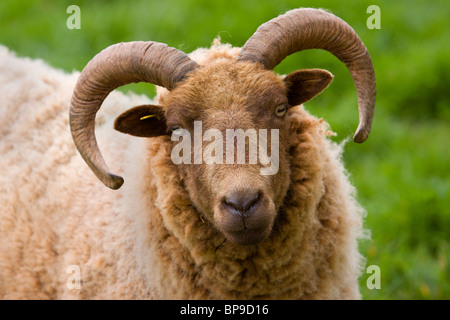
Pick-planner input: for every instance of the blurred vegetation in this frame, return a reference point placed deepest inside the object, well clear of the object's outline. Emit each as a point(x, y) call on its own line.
point(402, 171)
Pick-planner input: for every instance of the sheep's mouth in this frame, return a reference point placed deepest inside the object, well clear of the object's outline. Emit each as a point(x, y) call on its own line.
point(248, 236)
point(250, 228)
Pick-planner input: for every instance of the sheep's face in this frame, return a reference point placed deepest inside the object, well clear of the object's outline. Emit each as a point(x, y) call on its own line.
point(230, 140)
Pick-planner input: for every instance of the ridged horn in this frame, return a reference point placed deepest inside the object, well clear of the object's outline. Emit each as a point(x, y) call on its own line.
point(308, 28)
point(115, 66)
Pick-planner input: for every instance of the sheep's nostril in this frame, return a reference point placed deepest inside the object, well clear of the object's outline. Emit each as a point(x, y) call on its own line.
point(241, 202)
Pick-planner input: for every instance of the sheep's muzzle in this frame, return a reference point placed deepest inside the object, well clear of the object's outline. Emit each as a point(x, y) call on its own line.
point(245, 216)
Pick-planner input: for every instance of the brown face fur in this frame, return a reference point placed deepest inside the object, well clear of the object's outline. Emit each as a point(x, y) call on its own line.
point(235, 198)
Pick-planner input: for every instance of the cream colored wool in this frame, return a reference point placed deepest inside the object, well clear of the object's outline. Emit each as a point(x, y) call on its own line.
point(146, 240)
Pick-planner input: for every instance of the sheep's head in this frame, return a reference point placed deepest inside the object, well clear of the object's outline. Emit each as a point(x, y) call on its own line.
point(229, 182)
point(218, 161)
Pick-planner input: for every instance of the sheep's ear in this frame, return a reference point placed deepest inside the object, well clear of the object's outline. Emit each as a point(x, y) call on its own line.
point(303, 85)
point(142, 121)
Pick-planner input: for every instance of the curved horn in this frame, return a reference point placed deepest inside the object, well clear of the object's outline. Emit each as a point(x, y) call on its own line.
point(115, 66)
point(307, 28)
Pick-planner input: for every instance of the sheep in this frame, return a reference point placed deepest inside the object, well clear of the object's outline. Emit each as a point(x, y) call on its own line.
point(180, 231)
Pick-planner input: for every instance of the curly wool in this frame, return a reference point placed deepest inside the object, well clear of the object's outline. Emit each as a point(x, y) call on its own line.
point(147, 240)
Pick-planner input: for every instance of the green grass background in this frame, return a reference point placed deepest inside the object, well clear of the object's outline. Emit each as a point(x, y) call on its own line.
point(402, 171)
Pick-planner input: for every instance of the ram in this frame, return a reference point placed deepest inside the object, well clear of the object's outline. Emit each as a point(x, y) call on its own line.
point(201, 229)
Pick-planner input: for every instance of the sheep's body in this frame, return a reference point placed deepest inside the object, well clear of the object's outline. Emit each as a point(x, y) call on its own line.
point(47, 222)
point(146, 240)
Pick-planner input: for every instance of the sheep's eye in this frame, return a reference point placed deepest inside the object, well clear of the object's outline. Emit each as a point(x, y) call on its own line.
point(280, 110)
point(176, 130)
